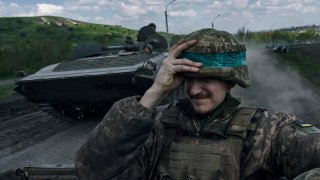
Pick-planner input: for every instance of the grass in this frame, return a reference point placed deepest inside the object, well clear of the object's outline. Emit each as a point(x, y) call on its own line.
point(29, 43)
point(306, 61)
point(6, 90)
point(303, 65)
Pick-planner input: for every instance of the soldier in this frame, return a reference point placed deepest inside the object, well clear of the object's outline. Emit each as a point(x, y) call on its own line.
point(146, 31)
point(203, 136)
point(149, 36)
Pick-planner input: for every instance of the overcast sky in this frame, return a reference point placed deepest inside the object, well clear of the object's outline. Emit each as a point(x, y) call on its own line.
point(184, 16)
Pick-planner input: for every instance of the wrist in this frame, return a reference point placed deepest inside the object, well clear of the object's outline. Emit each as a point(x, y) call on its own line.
point(152, 97)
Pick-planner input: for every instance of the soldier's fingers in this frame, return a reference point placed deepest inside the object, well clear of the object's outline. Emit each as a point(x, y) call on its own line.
point(184, 68)
point(174, 52)
point(176, 44)
point(183, 46)
point(186, 62)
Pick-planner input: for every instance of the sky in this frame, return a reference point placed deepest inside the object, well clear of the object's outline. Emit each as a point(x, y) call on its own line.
point(184, 16)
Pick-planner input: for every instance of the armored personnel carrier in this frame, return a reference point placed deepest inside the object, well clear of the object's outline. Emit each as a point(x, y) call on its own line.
point(92, 83)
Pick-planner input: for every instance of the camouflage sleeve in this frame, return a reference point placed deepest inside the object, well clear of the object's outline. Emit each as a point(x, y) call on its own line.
point(279, 146)
point(256, 156)
point(296, 148)
point(120, 147)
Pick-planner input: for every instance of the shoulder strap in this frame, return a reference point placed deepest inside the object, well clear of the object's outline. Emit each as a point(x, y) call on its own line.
point(240, 122)
point(169, 120)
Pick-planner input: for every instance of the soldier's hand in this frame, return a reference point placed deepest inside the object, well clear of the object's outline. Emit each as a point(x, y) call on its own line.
point(168, 77)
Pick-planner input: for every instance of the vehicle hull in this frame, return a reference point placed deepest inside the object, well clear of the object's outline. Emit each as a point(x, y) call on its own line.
point(91, 84)
point(85, 92)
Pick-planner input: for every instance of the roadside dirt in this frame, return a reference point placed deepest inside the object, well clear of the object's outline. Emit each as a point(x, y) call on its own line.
point(38, 135)
point(23, 123)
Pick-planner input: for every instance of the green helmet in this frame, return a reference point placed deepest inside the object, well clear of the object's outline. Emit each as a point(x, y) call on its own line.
point(222, 56)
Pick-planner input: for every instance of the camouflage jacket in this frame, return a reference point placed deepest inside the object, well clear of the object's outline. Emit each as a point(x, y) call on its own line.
point(128, 142)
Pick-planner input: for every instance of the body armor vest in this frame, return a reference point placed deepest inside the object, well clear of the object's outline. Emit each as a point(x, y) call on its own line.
point(207, 158)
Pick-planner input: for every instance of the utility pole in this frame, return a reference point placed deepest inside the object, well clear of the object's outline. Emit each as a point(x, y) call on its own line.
point(212, 25)
point(166, 15)
point(270, 39)
point(244, 32)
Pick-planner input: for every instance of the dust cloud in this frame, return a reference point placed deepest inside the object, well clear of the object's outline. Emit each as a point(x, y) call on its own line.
point(278, 88)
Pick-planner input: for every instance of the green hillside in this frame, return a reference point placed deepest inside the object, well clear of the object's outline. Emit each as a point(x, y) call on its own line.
point(29, 43)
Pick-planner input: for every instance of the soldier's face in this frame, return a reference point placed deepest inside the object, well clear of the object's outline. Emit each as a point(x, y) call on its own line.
point(205, 94)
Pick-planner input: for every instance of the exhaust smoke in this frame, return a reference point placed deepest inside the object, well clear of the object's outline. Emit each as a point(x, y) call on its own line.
point(278, 88)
